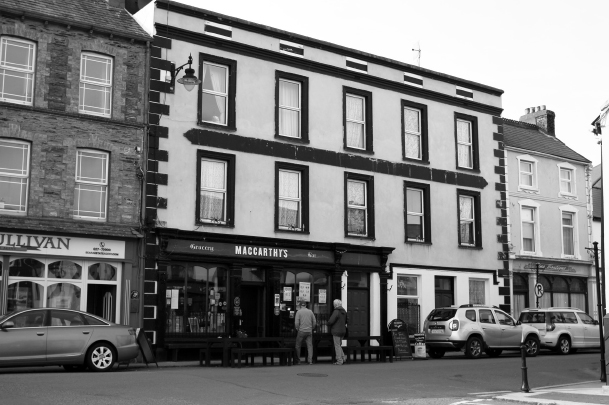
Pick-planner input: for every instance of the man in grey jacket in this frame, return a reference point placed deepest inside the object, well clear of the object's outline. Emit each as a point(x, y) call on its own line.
point(304, 323)
point(338, 327)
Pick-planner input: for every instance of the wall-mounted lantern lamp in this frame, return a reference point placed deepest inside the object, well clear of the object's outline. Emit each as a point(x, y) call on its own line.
point(189, 80)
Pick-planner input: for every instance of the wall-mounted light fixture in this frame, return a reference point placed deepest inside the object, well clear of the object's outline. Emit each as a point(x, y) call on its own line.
point(189, 80)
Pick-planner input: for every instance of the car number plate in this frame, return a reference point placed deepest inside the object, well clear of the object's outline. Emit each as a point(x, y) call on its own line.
point(437, 331)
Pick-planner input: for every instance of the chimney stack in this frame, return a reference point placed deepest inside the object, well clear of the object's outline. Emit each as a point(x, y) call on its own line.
point(541, 117)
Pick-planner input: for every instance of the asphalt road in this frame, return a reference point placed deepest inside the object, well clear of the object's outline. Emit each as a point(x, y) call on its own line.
point(450, 380)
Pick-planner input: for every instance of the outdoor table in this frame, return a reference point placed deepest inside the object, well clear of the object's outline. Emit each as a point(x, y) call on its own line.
point(227, 344)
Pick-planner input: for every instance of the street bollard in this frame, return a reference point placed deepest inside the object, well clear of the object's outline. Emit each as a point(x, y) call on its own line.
point(525, 379)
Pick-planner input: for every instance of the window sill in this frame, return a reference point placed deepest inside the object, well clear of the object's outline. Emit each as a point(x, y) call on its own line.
point(89, 219)
point(360, 237)
point(228, 225)
point(216, 126)
point(568, 196)
point(474, 170)
point(470, 247)
point(13, 213)
point(419, 161)
point(290, 139)
point(532, 190)
point(278, 230)
point(423, 243)
point(355, 150)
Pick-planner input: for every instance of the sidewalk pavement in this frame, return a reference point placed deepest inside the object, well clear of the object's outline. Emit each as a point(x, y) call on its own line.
point(594, 392)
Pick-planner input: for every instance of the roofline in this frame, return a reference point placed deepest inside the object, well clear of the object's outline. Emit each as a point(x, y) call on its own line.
point(534, 152)
point(319, 44)
point(74, 23)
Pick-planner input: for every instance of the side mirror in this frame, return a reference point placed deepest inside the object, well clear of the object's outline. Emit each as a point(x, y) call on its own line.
point(595, 322)
point(8, 324)
point(518, 323)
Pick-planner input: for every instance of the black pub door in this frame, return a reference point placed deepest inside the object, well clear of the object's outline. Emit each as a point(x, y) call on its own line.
point(251, 306)
point(358, 303)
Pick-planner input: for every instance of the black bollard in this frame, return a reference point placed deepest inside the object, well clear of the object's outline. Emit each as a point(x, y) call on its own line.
point(525, 379)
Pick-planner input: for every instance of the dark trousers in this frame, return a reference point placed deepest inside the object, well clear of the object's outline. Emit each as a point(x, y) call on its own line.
point(308, 338)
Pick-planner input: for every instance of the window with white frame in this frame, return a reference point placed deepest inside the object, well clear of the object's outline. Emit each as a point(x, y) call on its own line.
point(467, 221)
point(408, 301)
point(412, 133)
point(566, 181)
point(527, 173)
point(568, 233)
point(356, 121)
point(214, 103)
point(17, 60)
point(91, 191)
point(415, 215)
point(290, 200)
point(477, 291)
point(527, 216)
point(14, 175)
point(289, 108)
point(95, 84)
point(213, 197)
point(464, 144)
point(357, 208)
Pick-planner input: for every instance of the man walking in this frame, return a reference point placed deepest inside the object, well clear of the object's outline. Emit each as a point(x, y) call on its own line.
point(304, 323)
point(338, 327)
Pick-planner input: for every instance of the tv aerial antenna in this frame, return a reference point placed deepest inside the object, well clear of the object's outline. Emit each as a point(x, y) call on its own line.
point(417, 57)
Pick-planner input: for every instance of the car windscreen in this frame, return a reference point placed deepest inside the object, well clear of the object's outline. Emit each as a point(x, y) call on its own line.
point(3, 317)
point(533, 317)
point(442, 314)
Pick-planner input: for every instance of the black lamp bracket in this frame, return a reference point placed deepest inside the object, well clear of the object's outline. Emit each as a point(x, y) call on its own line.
point(174, 72)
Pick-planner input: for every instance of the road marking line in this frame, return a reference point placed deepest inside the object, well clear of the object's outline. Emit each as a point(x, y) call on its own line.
point(488, 392)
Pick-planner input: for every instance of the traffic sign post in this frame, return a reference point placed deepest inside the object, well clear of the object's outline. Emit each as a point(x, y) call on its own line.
point(538, 290)
point(537, 267)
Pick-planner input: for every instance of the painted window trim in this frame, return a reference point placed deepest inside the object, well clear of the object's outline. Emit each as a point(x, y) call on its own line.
point(477, 219)
point(32, 72)
point(17, 176)
point(304, 196)
point(535, 162)
point(370, 221)
point(537, 227)
point(474, 127)
point(367, 96)
point(573, 193)
point(110, 85)
point(426, 212)
point(487, 290)
point(418, 278)
point(424, 131)
point(575, 211)
point(304, 106)
point(106, 184)
point(231, 94)
point(230, 160)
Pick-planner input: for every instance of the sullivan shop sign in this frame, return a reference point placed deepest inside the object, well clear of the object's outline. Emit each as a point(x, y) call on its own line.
point(61, 246)
point(249, 251)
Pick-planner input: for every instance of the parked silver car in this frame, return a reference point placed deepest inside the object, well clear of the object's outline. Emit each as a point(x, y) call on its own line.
point(474, 329)
point(72, 339)
point(563, 329)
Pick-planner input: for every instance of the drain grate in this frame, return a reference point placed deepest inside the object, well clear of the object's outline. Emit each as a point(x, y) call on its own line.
point(312, 375)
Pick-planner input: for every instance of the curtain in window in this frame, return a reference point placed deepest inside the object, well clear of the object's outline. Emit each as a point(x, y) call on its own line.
point(567, 233)
point(214, 105)
point(578, 301)
point(464, 144)
point(412, 138)
point(63, 295)
point(528, 237)
point(356, 194)
point(466, 210)
point(24, 295)
point(289, 118)
point(355, 130)
point(213, 193)
point(519, 304)
point(477, 292)
point(545, 301)
point(413, 146)
point(561, 299)
point(289, 210)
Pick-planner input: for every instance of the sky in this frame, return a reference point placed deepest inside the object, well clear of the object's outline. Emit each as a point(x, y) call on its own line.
point(553, 53)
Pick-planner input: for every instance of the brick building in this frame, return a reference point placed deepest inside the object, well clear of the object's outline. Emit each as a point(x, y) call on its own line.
point(72, 124)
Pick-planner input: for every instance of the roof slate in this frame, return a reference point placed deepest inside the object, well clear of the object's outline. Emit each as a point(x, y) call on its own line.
point(96, 14)
point(526, 136)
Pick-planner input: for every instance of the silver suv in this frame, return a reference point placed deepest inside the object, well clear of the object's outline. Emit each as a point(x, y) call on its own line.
point(476, 328)
point(563, 329)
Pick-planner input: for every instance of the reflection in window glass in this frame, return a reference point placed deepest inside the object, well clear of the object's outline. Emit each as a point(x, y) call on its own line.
point(31, 319)
point(102, 271)
point(252, 274)
point(66, 318)
point(407, 285)
point(63, 295)
point(65, 269)
point(357, 279)
point(24, 295)
point(26, 268)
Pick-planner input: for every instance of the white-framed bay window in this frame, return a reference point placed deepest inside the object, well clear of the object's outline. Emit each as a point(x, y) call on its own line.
point(50, 282)
point(17, 69)
point(527, 173)
point(566, 177)
point(569, 227)
point(95, 92)
point(14, 175)
point(91, 189)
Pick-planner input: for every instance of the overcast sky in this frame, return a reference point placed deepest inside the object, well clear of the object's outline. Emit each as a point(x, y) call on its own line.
point(552, 53)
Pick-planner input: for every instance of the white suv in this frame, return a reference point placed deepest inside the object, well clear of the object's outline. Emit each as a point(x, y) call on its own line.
point(563, 329)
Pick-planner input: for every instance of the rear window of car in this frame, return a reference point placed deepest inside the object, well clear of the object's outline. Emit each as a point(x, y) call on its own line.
point(533, 317)
point(442, 314)
point(471, 315)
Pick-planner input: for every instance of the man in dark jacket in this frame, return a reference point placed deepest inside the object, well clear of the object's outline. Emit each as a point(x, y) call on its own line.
point(338, 327)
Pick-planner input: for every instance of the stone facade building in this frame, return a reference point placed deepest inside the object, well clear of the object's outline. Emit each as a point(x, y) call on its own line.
point(72, 125)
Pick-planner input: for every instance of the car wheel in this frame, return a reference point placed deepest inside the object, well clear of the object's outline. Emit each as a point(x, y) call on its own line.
point(435, 353)
point(493, 352)
point(531, 346)
point(101, 357)
point(74, 367)
point(473, 347)
point(564, 345)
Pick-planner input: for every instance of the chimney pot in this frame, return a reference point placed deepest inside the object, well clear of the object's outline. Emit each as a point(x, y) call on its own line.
point(527, 110)
point(543, 107)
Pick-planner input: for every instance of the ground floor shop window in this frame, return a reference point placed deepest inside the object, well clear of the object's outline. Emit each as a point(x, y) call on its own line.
point(562, 291)
point(62, 283)
point(521, 294)
point(444, 291)
point(196, 298)
point(477, 291)
point(409, 309)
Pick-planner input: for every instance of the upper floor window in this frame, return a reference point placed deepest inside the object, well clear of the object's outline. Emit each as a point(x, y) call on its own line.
point(17, 70)
point(466, 132)
point(217, 99)
point(292, 106)
point(90, 194)
point(414, 127)
point(569, 231)
point(14, 175)
point(469, 218)
point(292, 197)
point(215, 194)
point(359, 212)
point(566, 173)
point(527, 215)
point(527, 172)
point(357, 119)
point(95, 84)
point(418, 221)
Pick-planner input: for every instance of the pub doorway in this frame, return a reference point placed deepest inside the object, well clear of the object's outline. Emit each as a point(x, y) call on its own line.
point(252, 304)
point(358, 302)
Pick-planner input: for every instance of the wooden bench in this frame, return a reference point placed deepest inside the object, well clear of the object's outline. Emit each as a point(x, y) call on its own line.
point(285, 355)
point(382, 352)
point(174, 347)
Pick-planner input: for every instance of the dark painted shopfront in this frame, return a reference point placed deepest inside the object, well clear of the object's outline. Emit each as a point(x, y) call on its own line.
point(213, 285)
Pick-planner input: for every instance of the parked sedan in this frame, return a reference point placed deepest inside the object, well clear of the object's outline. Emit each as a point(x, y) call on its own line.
point(72, 339)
